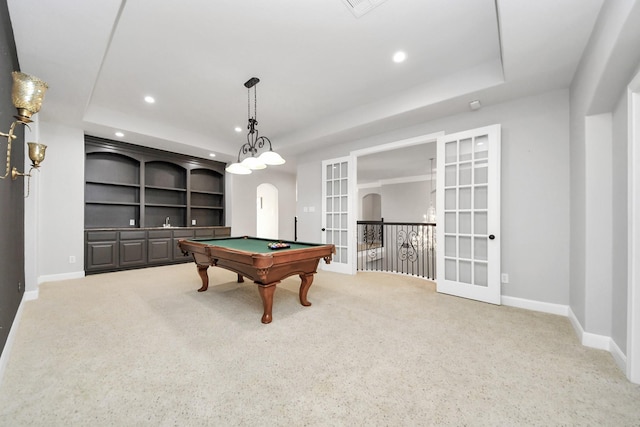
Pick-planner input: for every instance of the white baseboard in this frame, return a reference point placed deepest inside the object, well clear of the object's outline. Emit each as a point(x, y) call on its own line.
point(30, 295)
point(59, 277)
point(601, 342)
point(619, 357)
point(544, 307)
point(4, 357)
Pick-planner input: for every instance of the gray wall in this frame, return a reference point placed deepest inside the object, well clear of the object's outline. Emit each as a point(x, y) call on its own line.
point(535, 188)
point(598, 284)
point(11, 192)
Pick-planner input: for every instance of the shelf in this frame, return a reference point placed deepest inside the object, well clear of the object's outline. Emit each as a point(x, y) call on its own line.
point(112, 183)
point(213, 193)
point(155, 187)
point(97, 202)
point(206, 207)
point(164, 205)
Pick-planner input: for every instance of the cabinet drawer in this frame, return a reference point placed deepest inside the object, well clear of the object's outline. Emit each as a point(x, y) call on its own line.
point(183, 233)
point(159, 234)
point(223, 232)
point(102, 236)
point(204, 232)
point(132, 235)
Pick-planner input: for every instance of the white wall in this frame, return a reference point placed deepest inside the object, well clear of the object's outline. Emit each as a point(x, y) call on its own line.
point(241, 201)
point(61, 203)
point(406, 202)
point(535, 188)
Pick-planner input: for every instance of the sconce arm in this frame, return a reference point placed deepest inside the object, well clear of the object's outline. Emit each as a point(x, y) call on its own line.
point(10, 137)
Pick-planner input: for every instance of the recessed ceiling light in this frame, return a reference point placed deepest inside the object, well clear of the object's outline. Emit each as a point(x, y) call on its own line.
point(149, 99)
point(238, 129)
point(399, 56)
point(119, 134)
point(212, 154)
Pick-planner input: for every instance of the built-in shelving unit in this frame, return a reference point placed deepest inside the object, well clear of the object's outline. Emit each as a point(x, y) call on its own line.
point(131, 186)
point(112, 189)
point(131, 192)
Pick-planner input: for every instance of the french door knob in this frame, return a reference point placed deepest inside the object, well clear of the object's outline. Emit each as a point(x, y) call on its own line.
point(491, 237)
point(323, 228)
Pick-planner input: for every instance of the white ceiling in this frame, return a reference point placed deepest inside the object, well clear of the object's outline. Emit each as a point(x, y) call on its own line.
point(326, 76)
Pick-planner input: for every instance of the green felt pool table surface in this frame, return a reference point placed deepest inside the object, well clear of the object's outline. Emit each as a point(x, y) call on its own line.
point(253, 244)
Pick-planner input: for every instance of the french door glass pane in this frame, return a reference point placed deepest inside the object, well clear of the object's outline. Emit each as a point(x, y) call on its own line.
point(465, 174)
point(480, 199)
point(480, 249)
point(481, 172)
point(450, 269)
point(465, 150)
point(465, 247)
point(465, 198)
point(450, 222)
point(480, 223)
point(450, 246)
point(450, 199)
point(480, 274)
point(481, 147)
point(451, 152)
point(464, 271)
point(450, 175)
point(465, 223)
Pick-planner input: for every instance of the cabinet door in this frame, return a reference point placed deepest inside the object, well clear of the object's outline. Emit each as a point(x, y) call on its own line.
point(159, 250)
point(133, 252)
point(102, 255)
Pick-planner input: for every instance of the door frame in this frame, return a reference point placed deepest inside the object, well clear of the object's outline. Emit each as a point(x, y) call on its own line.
point(403, 143)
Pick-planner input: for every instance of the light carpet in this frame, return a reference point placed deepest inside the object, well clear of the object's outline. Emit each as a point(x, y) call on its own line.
point(143, 348)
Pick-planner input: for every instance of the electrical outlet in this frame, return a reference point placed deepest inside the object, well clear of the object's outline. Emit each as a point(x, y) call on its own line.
point(504, 278)
point(132, 222)
point(193, 222)
point(72, 259)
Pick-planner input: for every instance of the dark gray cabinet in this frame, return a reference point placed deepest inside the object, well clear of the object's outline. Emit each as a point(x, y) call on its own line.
point(121, 249)
point(160, 246)
point(132, 248)
point(101, 250)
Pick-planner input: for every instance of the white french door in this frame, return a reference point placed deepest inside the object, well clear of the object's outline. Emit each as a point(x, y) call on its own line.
point(468, 203)
point(337, 212)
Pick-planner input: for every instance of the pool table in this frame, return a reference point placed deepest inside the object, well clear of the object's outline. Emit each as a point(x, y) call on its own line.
point(251, 257)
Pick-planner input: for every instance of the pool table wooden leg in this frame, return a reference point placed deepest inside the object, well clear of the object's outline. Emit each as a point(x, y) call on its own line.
point(202, 271)
point(266, 293)
point(307, 280)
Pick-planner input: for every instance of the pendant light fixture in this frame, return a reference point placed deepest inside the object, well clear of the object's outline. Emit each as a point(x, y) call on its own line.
point(255, 142)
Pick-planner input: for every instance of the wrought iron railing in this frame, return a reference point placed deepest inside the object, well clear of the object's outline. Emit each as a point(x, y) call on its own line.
point(398, 247)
